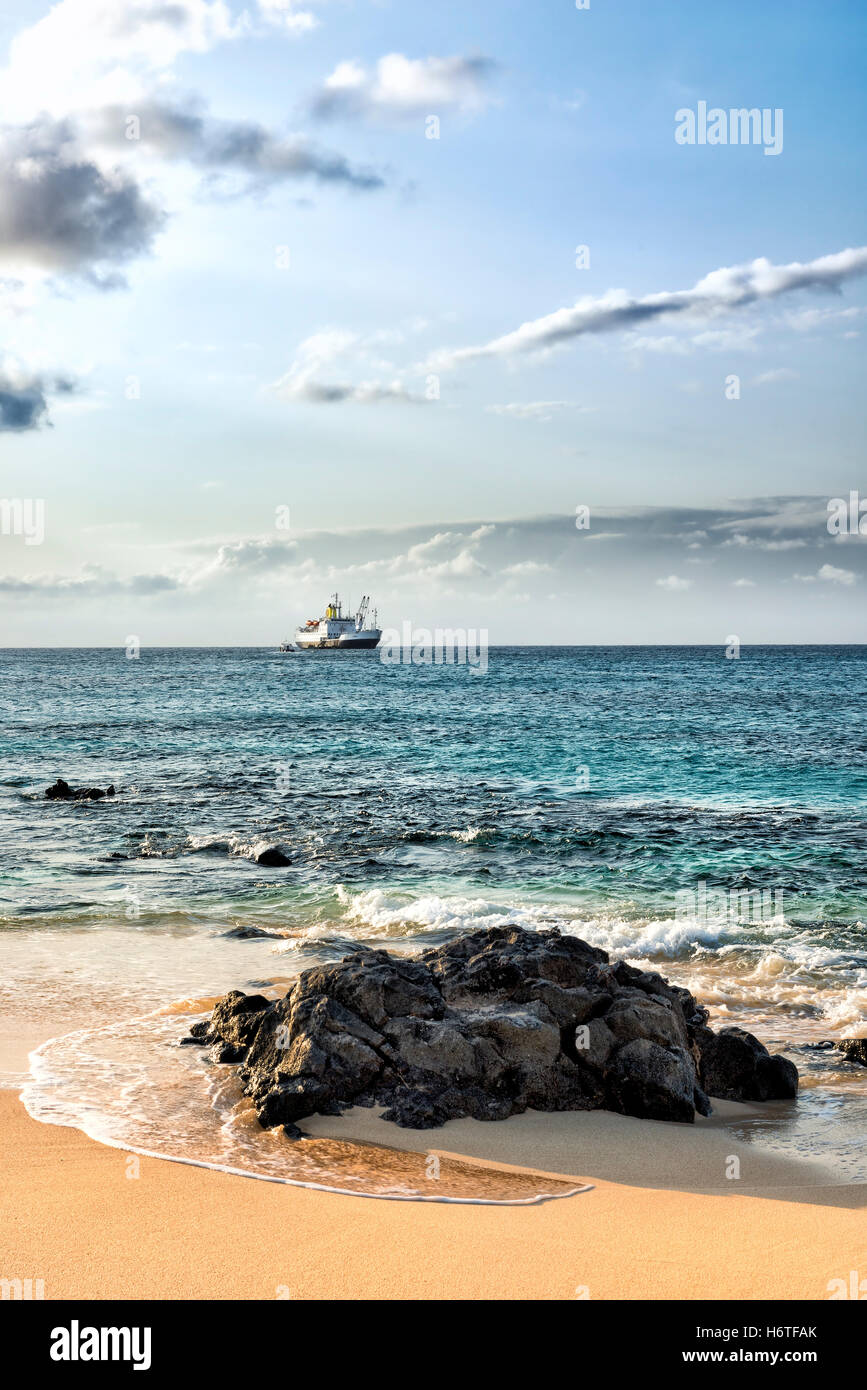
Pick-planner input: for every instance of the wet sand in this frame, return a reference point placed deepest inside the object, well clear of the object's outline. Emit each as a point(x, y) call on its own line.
point(96, 1222)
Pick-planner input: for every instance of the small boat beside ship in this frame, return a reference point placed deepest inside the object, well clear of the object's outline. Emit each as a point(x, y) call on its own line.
point(337, 630)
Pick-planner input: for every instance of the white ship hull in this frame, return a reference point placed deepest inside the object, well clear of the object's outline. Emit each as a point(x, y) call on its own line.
point(313, 642)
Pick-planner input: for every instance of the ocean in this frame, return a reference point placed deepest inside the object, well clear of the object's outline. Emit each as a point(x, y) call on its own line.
point(695, 814)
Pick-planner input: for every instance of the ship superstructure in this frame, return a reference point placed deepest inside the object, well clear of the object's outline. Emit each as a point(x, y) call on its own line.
point(339, 629)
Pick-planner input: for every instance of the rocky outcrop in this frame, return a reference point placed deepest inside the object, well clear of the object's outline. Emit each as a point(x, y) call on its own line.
point(62, 791)
point(855, 1049)
point(489, 1025)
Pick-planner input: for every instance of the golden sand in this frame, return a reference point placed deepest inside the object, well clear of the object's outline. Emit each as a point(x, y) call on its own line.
point(76, 1215)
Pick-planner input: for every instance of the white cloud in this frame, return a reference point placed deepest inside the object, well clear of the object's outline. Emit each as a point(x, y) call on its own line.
point(526, 567)
point(749, 542)
point(474, 563)
point(96, 52)
point(801, 514)
point(728, 289)
point(805, 320)
point(288, 15)
point(776, 374)
point(92, 581)
point(830, 574)
point(444, 556)
point(738, 339)
point(400, 88)
point(531, 410)
point(310, 377)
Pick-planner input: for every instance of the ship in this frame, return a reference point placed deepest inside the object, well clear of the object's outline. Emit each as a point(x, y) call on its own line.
point(344, 631)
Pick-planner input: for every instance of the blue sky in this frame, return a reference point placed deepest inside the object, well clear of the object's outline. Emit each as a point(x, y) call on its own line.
point(167, 381)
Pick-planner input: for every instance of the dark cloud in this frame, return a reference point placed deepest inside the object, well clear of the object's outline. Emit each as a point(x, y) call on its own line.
point(59, 210)
point(226, 147)
point(325, 393)
point(24, 399)
point(64, 208)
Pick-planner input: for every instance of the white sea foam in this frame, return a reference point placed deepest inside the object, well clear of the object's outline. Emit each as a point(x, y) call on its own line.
point(668, 938)
point(383, 912)
point(768, 974)
point(211, 844)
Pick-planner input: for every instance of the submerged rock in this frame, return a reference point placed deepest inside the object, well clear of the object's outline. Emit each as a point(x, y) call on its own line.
point(62, 791)
point(493, 1023)
point(270, 857)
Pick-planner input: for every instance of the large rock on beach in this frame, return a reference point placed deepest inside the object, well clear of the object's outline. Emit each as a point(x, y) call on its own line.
point(735, 1066)
point(493, 1023)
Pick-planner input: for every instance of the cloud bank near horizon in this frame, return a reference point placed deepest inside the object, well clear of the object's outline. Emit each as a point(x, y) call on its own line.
point(634, 574)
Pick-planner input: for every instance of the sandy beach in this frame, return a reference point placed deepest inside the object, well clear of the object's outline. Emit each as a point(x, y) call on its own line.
point(668, 1227)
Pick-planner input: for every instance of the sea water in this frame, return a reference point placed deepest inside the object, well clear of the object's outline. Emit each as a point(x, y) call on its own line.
point(698, 815)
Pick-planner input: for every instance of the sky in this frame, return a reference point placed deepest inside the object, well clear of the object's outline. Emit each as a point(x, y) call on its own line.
point(380, 296)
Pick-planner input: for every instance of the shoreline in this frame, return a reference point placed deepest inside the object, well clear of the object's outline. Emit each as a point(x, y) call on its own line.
point(75, 1216)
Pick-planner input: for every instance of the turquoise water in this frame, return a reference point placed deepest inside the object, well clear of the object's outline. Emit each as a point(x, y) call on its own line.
point(596, 788)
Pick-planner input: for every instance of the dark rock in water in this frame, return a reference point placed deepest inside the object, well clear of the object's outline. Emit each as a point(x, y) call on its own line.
point(493, 1023)
point(235, 1016)
point(247, 933)
point(735, 1066)
point(293, 1132)
point(62, 791)
point(272, 857)
point(855, 1049)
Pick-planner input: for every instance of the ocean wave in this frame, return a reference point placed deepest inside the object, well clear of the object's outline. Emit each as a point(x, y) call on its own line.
point(472, 834)
point(384, 913)
point(768, 974)
point(160, 845)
